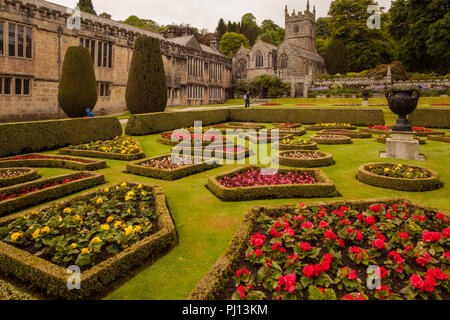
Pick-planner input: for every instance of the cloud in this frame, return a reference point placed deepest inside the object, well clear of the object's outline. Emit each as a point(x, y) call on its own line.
point(204, 13)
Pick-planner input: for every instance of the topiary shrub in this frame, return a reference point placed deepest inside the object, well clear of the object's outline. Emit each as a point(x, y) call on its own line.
point(146, 89)
point(78, 86)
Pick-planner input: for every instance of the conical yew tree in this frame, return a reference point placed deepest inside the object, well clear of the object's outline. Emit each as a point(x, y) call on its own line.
point(78, 87)
point(146, 89)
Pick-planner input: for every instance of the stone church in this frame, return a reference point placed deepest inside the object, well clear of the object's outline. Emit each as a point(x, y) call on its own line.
point(295, 61)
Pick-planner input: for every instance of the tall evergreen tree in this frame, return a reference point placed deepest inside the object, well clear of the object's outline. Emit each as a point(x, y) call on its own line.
point(86, 6)
point(221, 29)
point(336, 57)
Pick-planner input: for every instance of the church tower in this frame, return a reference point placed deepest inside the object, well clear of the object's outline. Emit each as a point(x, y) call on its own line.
point(301, 28)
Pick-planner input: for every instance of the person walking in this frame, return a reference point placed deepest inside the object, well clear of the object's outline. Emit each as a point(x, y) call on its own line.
point(247, 100)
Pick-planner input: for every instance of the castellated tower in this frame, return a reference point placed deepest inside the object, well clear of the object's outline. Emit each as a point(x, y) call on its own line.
point(301, 28)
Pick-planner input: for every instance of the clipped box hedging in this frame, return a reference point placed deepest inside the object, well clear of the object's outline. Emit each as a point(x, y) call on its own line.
point(328, 141)
point(439, 138)
point(69, 163)
point(320, 128)
point(144, 124)
point(359, 117)
point(431, 118)
point(104, 155)
point(355, 135)
point(268, 139)
point(297, 132)
point(323, 188)
point(287, 125)
point(166, 174)
point(215, 281)
point(288, 146)
point(245, 153)
point(53, 279)
point(28, 175)
point(44, 195)
point(26, 137)
point(325, 160)
point(412, 185)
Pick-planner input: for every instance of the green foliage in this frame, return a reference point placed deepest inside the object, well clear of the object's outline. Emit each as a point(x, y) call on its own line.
point(221, 29)
point(231, 42)
point(134, 21)
point(323, 29)
point(86, 6)
point(267, 86)
point(240, 87)
point(146, 88)
point(398, 27)
point(366, 48)
point(78, 87)
point(336, 57)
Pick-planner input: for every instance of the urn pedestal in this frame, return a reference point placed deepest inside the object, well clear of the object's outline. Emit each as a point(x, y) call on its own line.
point(402, 145)
point(366, 98)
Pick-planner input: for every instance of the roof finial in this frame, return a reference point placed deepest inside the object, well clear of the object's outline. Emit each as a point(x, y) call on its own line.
point(307, 6)
point(314, 10)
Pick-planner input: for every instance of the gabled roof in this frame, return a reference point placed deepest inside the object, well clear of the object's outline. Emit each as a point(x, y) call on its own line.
point(210, 50)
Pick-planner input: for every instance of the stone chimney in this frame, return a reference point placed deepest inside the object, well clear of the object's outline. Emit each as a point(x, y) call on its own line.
point(105, 15)
point(214, 43)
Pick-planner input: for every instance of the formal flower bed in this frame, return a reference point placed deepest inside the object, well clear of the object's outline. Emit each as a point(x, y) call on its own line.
point(323, 251)
point(383, 137)
point(271, 104)
point(28, 194)
point(163, 167)
point(296, 144)
point(287, 125)
point(12, 176)
point(246, 125)
point(293, 131)
point(119, 148)
point(114, 229)
point(398, 176)
point(264, 137)
point(347, 133)
point(174, 138)
point(419, 131)
point(228, 151)
point(331, 139)
point(249, 183)
point(51, 161)
point(331, 125)
point(439, 138)
point(305, 159)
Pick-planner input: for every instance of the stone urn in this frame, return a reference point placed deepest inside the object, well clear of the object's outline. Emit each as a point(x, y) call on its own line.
point(365, 94)
point(402, 103)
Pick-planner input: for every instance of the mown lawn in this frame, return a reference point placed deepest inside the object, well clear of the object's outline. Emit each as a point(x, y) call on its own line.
point(205, 224)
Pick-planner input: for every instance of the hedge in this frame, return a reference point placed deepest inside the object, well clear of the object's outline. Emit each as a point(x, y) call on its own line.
point(325, 160)
point(54, 163)
point(104, 155)
point(224, 155)
point(439, 138)
point(144, 124)
point(287, 125)
point(215, 281)
point(360, 117)
point(355, 135)
point(10, 292)
point(26, 137)
point(45, 195)
point(321, 140)
point(324, 188)
point(319, 128)
point(297, 132)
point(253, 138)
point(29, 175)
point(169, 142)
point(286, 146)
point(412, 185)
point(166, 174)
point(431, 118)
point(53, 279)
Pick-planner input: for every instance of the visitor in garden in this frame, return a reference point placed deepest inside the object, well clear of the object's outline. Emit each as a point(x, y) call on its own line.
point(89, 112)
point(247, 100)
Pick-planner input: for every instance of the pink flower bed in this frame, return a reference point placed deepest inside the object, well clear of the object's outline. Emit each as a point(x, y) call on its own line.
point(46, 157)
point(252, 177)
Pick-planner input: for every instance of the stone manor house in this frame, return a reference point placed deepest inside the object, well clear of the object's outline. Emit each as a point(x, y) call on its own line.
point(295, 61)
point(35, 34)
point(34, 37)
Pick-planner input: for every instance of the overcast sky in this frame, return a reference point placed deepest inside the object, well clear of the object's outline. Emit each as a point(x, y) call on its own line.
point(204, 13)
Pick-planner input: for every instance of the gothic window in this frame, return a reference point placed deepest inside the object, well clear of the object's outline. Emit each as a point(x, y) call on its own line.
point(283, 62)
point(259, 59)
point(242, 65)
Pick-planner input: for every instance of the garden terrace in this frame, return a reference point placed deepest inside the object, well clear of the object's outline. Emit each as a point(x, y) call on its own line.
point(164, 168)
point(135, 214)
point(249, 184)
point(12, 176)
point(28, 194)
point(290, 252)
point(305, 159)
point(347, 133)
point(37, 160)
point(398, 177)
point(439, 138)
point(331, 139)
point(125, 149)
